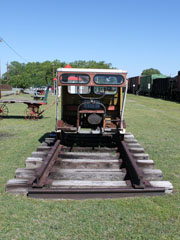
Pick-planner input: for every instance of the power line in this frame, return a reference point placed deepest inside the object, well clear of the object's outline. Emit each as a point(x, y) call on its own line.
point(2, 40)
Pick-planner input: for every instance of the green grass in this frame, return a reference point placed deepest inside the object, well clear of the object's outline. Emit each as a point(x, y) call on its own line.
point(154, 122)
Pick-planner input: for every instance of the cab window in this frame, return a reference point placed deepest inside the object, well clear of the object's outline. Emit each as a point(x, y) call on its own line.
point(108, 79)
point(75, 78)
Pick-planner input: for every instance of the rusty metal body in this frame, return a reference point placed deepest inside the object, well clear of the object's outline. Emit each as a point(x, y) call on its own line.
point(91, 99)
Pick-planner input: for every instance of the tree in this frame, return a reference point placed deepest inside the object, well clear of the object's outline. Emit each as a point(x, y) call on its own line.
point(150, 71)
point(40, 74)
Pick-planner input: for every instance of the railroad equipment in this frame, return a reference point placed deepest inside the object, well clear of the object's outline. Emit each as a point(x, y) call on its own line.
point(90, 155)
point(92, 101)
point(147, 83)
point(156, 85)
point(176, 89)
point(32, 112)
point(163, 87)
point(134, 84)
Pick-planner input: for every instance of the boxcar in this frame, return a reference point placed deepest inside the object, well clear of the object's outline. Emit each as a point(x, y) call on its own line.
point(176, 90)
point(134, 84)
point(163, 87)
point(92, 100)
point(147, 83)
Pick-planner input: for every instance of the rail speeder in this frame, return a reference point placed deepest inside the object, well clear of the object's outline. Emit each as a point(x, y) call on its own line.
point(92, 101)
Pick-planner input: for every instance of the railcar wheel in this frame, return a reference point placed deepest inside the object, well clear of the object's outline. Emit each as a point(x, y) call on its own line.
point(3, 110)
point(31, 113)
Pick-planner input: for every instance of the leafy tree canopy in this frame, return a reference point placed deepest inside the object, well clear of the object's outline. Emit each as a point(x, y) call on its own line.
point(150, 71)
point(39, 74)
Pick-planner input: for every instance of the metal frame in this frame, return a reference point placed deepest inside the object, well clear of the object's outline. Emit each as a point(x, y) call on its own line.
point(92, 73)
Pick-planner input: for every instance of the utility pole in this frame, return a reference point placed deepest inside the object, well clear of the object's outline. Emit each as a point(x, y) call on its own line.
point(0, 72)
point(7, 72)
point(53, 69)
point(0, 78)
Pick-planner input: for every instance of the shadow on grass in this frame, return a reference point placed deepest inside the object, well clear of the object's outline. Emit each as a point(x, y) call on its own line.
point(42, 138)
point(13, 117)
point(22, 117)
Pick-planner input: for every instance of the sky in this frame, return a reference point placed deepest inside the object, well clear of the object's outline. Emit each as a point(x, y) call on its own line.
point(133, 35)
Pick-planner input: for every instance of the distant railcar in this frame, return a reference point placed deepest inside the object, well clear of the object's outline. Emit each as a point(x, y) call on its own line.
point(134, 84)
point(176, 90)
point(146, 83)
point(163, 87)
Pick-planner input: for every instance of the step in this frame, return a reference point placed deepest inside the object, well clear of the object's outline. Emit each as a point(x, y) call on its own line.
point(136, 145)
point(90, 155)
point(44, 148)
point(128, 136)
point(145, 163)
point(136, 150)
point(87, 163)
point(165, 184)
point(32, 162)
point(88, 184)
point(128, 133)
point(152, 174)
point(130, 140)
point(39, 154)
point(141, 156)
point(24, 173)
point(17, 186)
point(88, 174)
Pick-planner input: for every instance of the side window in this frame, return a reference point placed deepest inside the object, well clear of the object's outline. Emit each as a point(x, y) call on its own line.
point(105, 90)
point(75, 78)
point(79, 89)
point(108, 79)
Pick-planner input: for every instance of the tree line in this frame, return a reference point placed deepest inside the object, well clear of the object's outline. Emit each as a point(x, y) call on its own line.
point(34, 74)
point(39, 74)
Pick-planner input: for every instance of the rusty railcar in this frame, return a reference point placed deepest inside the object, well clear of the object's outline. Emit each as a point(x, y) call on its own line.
point(134, 84)
point(92, 101)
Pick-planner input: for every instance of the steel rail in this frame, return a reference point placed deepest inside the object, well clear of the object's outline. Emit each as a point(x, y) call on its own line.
point(134, 173)
point(42, 172)
point(86, 193)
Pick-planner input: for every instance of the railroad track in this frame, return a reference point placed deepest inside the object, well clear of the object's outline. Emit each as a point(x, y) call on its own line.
point(58, 171)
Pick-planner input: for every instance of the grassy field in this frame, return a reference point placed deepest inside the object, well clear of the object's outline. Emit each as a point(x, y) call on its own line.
point(154, 122)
